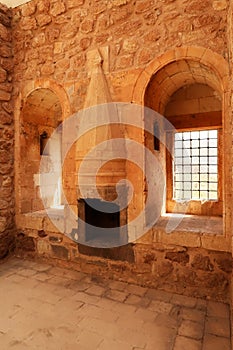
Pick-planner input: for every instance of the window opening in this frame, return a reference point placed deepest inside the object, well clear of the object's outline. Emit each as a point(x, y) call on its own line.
point(195, 165)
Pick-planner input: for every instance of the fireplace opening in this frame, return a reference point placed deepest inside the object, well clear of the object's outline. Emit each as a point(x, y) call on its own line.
point(97, 216)
point(97, 240)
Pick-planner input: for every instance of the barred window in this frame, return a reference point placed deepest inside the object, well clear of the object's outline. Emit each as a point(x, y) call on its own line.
point(195, 165)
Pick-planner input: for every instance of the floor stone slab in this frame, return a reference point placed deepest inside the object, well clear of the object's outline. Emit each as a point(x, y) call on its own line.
point(50, 308)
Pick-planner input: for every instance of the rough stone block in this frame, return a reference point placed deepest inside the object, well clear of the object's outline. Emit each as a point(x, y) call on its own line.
point(4, 96)
point(191, 329)
point(183, 343)
point(218, 326)
point(57, 8)
point(43, 247)
point(218, 310)
point(60, 252)
point(213, 342)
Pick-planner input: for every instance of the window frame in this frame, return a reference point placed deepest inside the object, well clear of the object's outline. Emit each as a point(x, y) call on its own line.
point(193, 122)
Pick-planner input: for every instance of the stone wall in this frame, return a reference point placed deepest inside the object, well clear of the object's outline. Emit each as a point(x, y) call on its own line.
point(197, 98)
point(189, 271)
point(51, 40)
point(230, 38)
point(6, 136)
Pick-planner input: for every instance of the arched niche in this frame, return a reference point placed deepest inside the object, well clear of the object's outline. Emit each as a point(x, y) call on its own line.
point(180, 69)
point(41, 114)
point(175, 75)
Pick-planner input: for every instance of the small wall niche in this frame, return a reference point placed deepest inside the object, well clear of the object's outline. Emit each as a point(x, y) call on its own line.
point(156, 137)
point(43, 141)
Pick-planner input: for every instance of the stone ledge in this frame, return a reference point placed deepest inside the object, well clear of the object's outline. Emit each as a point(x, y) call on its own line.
point(192, 231)
point(191, 224)
point(39, 220)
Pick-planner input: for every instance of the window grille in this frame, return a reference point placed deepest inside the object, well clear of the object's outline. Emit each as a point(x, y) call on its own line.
point(195, 165)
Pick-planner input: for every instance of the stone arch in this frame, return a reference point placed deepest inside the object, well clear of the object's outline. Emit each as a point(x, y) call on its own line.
point(186, 66)
point(54, 87)
point(199, 55)
point(40, 108)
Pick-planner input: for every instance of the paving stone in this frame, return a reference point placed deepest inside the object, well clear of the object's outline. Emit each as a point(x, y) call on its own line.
point(175, 312)
point(144, 302)
point(184, 300)
point(78, 286)
point(218, 309)
point(98, 313)
point(160, 307)
point(107, 304)
point(86, 298)
point(41, 267)
point(137, 290)
point(158, 337)
point(74, 275)
point(183, 343)
point(132, 337)
point(201, 305)
point(101, 327)
point(12, 262)
point(218, 326)
point(146, 315)
point(88, 339)
point(63, 292)
point(132, 322)
point(26, 272)
point(24, 263)
point(166, 321)
point(95, 290)
point(193, 315)
point(6, 273)
point(133, 300)
point(158, 295)
point(114, 344)
point(42, 276)
point(212, 342)
point(30, 283)
point(191, 329)
point(58, 281)
point(15, 278)
point(57, 271)
point(55, 312)
point(121, 286)
point(116, 295)
point(121, 308)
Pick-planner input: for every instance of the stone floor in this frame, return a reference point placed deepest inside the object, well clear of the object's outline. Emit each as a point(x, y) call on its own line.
point(45, 307)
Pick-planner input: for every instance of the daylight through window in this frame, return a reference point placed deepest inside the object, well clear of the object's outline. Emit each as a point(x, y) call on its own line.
point(195, 165)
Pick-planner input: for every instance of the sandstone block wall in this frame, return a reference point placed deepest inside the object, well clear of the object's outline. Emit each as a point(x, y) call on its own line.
point(6, 135)
point(176, 268)
point(51, 40)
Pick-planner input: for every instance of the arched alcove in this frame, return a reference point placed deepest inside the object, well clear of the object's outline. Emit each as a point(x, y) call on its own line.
point(188, 94)
point(175, 75)
point(41, 114)
point(178, 71)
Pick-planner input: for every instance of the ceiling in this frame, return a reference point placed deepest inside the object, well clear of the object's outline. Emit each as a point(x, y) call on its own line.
point(14, 3)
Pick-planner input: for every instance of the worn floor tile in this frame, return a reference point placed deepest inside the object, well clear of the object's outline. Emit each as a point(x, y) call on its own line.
point(45, 307)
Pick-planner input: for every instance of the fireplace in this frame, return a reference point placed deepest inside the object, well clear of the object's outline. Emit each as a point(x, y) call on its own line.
point(98, 216)
point(95, 217)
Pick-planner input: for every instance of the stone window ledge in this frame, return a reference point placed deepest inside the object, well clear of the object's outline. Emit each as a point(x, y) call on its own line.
point(40, 220)
point(53, 212)
point(191, 223)
point(192, 231)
